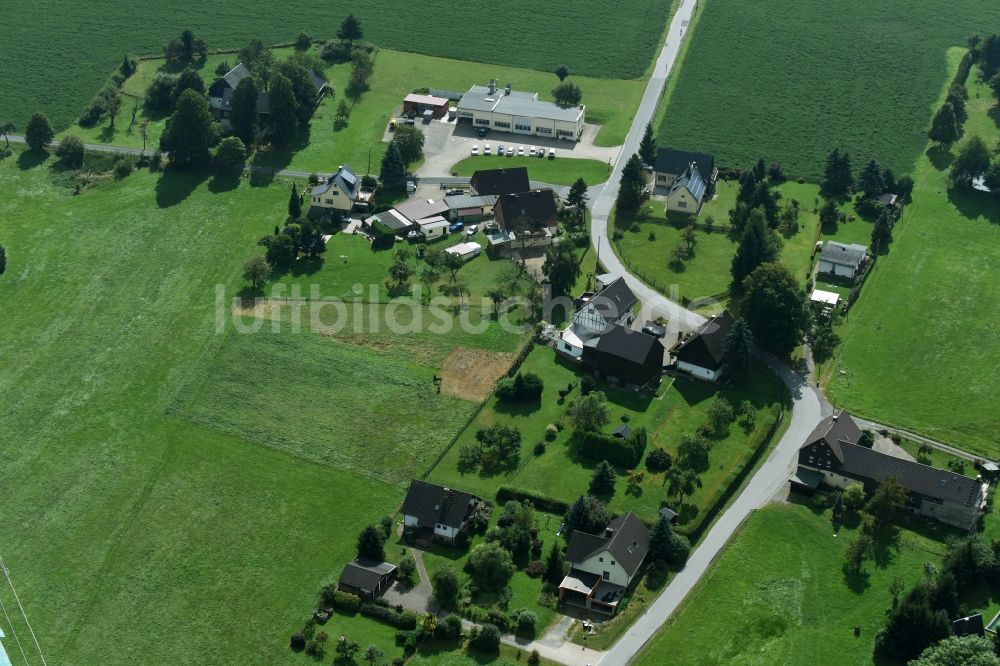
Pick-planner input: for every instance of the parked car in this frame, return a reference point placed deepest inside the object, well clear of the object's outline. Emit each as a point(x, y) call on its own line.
point(520, 151)
point(532, 152)
point(486, 149)
point(472, 229)
point(481, 132)
point(453, 193)
point(475, 149)
point(510, 152)
point(500, 150)
point(490, 226)
point(654, 329)
point(456, 227)
point(541, 152)
point(415, 236)
point(411, 187)
point(552, 153)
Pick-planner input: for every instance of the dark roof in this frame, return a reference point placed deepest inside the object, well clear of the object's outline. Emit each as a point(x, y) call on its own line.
point(668, 513)
point(537, 207)
point(318, 81)
point(622, 431)
point(706, 348)
point(229, 80)
point(628, 543)
point(614, 300)
point(344, 179)
point(627, 344)
point(692, 182)
point(670, 160)
point(969, 626)
point(433, 504)
point(860, 462)
point(501, 181)
point(886, 199)
point(845, 255)
point(365, 574)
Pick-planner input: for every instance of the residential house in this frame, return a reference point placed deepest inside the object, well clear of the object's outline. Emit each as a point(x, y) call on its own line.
point(418, 104)
point(969, 626)
point(416, 209)
point(524, 220)
point(337, 194)
point(842, 260)
point(671, 164)
point(701, 354)
point(366, 578)
point(833, 451)
point(431, 511)
point(500, 181)
point(469, 208)
point(220, 94)
point(518, 112)
point(688, 192)
point(623, 356)
point(612, 305)
point(602, 566)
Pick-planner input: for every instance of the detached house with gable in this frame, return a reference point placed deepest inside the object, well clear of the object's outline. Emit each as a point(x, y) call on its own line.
point(842, 260)
point(338, 193)
point(702, 354)
point(220, 94)
point(602, 566)
point(433, 512)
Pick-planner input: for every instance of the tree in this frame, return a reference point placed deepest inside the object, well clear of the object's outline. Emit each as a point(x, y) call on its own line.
point(959, 651)
point(912, 626)
point(870, 180)
point(350, 30)
point(681, 482)
point(577, 198)
point(882, 230)
point(371, 544)
point(631, 187)
point(944, 128)
point(647, 147)
point(400, 270)
point(590, 413)
point(737, 351)
point(302, 89)
point(567, 93)
point(587, 514)
point(71, 152)
point(192, 48)
point(603, 480)
point(393, 170)
point(160, 93)
point(190, 131)
point(554, 567)
point(111, 103)
point(303, 41)
point(284, 120)
point(259, 60)
point(562, 71)
point(561, 268)
point(867, 439)
point(189, 79)
point(689, 240)
point(992, 178)
point(838, 178)
point(343, 114)
point(667, 545)
point(6, 128)
point(829, 215)
point(757, 246)
point(720, 415)
point(38, 132)
point(362, 67)
point(972, 161)
point(499, 447)
point(294, 203)
point(410, 142)
point(488, 640)
point(445, 584)
point(776, 308)
point(490, 566)
point(231, 154)
point(823, 341)
point(857, 552)
point(957, 95)
point(887, 502)
point(497, 295)
point(3, 260)
point(256, 270)
point(281, 249)
point(373, 656)
point(407, 568)
point(995, 86)
point(692, 452)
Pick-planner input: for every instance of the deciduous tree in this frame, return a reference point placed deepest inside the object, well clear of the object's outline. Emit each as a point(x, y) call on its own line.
point(38, 132)
point(944, 128)
point(561, 268)
point(409, 141)
point(284, 119)
point(776, 308)
point(445, 584)
point(590, 413)
point(567, 93)
point(190, 132)
point(71, 152)
point(973, 160)
point(256, 270)
point(490, 566)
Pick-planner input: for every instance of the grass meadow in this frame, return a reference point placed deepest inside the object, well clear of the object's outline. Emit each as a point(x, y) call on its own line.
point(777, 595)
point(56, 65)
point(864, 77)
point(921, 346)
point(560, 171)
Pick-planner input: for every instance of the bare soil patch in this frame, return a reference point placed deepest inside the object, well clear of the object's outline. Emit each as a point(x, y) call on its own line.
point(472, 374)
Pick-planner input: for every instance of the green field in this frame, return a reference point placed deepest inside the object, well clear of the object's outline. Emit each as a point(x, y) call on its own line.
point(560, 171)
point(921, 346)
point(71, 59)
point(863, 76)
point(707, 274)
point(777, 595)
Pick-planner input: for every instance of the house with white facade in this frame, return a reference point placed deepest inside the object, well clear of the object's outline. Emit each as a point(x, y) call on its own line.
point(688, 192)
point(612, 304)
point(670, 164)
point(338, 193)
point(508, 110)
point(833, 455)
point(842, 260)
point(433, 512)
point(602, 566)
point(701, 354)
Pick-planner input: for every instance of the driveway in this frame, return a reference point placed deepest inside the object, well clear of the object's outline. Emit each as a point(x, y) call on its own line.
point(418, 598)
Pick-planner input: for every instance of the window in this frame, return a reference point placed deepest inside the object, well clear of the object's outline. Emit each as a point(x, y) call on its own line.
point(329, 201)
point(497, 123)
point(564, 133)
point(522, 125)
point(612, 563)
point(607, 575)
point(544, 130)
point(600, 559)
point(661, 177)
point(682, 204)
point(481, 121)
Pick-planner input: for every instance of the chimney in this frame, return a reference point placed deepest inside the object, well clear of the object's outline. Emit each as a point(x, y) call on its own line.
point(493, 86)
point(608, 532)
point(506, 90)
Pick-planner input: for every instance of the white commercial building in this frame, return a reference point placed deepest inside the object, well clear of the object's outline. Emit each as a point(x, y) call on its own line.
point(508, 110)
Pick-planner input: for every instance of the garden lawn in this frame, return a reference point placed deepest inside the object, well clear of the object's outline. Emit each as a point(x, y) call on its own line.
point(921, 346)
point(560, 171)
point(108, 314)
point(776, 595)
point(742, 99)
point(89, 45)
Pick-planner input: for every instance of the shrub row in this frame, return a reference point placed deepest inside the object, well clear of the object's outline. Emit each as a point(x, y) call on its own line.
point(540, 502)
point(399, 620)
point(347, 602)
point(524, 387)
point(624, 452)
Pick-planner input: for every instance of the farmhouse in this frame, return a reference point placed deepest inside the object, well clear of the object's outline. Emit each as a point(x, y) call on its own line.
point(431, 511)
point(833, 451)
point(500, 181)
point(842, 260)
point(366, 578)
point(671, 164)
point(220, 94)
point(702, 354)
point(687, 192)
point(419, 104)
point(338, 193)
point(626, 357)
point(611, 305)
point(526, 219)
point(603, 566)
point(508, 110)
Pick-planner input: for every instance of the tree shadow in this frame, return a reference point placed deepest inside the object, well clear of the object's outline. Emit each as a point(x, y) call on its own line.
point(994, 114)
point(885, 546)
point(693, 391)
point(940, 157)
point(107, 134)
point(175, 185)
point(857, 580)
point(29, 159)
point(517, 408)
point(974, 204)
point(225, 181)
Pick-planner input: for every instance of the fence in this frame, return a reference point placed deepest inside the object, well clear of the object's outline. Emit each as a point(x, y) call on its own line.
point(441, 92)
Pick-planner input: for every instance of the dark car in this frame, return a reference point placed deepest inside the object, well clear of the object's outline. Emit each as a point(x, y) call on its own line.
point(416, 236)
point(458, 226)
point(654, 329)
point(452, 193)
point(482, 132)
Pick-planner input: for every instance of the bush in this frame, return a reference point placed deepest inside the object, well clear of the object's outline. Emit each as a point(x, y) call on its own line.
point(521, 388)
point(539, 448)
point(71, 152)
point(534, 659)
point(298, 642)
point(540, 502)
point(551, 431)
point(525, 621)
point(535, 568)
point(449, 628)
point(587, 385)
point(623, 452)
point(123, 166)
point(658, 460)
point(231, 154)
point(404, 620)
point(160, 94)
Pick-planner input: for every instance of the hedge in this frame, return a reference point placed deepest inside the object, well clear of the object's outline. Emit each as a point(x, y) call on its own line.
point(347, 602)
point(541, 502)
point(403, 620)
point(623, 452)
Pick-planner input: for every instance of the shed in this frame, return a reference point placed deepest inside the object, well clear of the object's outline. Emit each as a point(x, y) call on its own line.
point(414, 103)
point(828, 299)
point(366, 578)
point(466, 251)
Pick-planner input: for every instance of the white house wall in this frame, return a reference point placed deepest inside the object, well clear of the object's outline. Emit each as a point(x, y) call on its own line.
point(594, 565)
point(698, 371)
